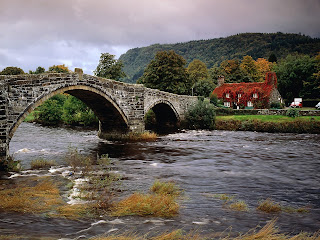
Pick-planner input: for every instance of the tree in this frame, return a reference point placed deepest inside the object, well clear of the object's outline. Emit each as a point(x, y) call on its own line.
point(49, 113)
point(249, 68)
point(109, 67)
point(272, 58)
point(263, 66)
point(231, 70)
point(12, 71)
point(201, 116)
point(295, 76)
point(197, 71)
point(59, 69)
point(203, 87)
point(39, 70)
point(166, 72)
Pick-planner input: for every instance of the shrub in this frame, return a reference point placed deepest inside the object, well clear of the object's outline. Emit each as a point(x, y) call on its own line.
point(50, 113)
point(201, 116)
point(214, 99)
point(41, 163)
point(293, 112)
point(276, 105)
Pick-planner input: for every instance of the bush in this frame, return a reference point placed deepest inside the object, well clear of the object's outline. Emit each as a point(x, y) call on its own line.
point(214, 99)
point(276, 105)
point(50, 112)
point(201, 116)
point(293, 112)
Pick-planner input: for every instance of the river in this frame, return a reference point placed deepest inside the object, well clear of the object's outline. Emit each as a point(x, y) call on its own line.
point(251, 166)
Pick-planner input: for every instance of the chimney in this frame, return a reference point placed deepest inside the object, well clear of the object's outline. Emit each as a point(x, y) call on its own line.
point(220, 80)
point(271, 79)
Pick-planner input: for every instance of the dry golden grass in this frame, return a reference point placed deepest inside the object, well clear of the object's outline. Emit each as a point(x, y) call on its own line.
point(269, 206)
point(39, 198)
point(75, 211)
point(170, 188)
point(239, 205)
point(41, 163)
point(146, 204)
point(145, 136)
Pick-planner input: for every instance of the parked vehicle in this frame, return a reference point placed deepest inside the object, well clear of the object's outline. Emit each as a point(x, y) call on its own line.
point(318, 106)
point(296, 105)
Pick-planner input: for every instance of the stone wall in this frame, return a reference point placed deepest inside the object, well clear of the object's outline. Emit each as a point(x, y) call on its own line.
point(3, 122)
point(283, 112)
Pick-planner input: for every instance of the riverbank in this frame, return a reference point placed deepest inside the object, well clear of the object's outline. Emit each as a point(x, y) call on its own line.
point(269, 123)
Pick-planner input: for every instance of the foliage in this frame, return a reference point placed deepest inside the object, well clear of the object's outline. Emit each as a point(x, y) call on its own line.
point(293, 112)
point(166, 72)
point(12, 71)
point(39, 70)
point(248, 67)
point(197, 71)
point(59, 69)
point(109, 67)
point(214, 51)
point(203, 87)
point(296, 77)
point(201, 116)
point(75, 112)
point(213, 99)
point(49, 113)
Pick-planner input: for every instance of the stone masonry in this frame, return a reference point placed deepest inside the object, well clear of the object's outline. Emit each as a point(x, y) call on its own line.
point(120, 107)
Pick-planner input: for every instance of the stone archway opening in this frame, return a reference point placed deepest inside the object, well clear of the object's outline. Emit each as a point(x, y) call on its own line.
point(161, 118)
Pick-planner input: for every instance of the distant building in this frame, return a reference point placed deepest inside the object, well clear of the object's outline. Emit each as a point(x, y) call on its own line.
point(249, 95)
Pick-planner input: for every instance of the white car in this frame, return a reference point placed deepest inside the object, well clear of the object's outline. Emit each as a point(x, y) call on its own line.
point(318, 106)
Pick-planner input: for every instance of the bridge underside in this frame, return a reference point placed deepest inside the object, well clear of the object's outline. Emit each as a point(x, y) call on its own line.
point(111, 120)
point(163, 120)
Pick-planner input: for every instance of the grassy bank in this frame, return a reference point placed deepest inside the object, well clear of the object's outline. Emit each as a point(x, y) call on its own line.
point(269, 123)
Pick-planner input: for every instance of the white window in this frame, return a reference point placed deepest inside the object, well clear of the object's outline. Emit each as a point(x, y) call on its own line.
point(227, 104)
point(239, 95)
point(255, 95)
point(227, 95)
point(249, 104)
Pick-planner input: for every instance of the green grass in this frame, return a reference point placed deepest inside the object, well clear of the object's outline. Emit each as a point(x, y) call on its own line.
point(267, 118)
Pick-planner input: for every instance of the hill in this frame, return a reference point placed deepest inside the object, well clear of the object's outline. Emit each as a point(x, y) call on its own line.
point(214, 51)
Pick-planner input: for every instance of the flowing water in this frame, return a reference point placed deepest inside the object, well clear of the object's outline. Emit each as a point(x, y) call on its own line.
point(248, 165)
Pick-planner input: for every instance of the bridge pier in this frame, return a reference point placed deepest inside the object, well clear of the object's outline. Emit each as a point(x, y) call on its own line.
point(4, 146)
point(110, 131)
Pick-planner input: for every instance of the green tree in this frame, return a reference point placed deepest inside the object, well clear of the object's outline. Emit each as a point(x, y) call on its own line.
point(197, 71)
point(59, 69)
point(75, 112)
point(201, 116)
point(203, 87)
point(249, 68)
point(231, 70)
point(109, 67)
point(295, 76)
point(39, 70)
point(12, 71)
point(166, 72)
point(49, 113)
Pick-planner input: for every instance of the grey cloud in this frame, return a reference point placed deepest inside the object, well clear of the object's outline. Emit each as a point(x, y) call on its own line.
point(77, 31)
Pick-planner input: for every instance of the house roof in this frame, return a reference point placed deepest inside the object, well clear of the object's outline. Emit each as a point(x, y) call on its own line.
point(265, 87)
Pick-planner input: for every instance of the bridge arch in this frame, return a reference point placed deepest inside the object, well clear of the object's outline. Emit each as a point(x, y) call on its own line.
point(166, 117)
point(110, 115)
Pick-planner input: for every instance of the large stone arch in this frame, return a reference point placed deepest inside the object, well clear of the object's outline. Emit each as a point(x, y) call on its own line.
point(112, 118)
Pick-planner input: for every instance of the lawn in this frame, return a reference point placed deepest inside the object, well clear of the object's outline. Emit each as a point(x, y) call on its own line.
point(267, 118)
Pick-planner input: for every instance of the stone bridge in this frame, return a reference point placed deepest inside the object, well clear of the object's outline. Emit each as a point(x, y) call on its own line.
point(120, 107)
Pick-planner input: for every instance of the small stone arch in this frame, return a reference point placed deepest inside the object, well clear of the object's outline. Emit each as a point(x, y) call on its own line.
point(166, 116)
point(101, 103)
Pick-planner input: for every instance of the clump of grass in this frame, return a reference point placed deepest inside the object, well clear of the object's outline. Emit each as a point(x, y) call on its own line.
point(269, 206)
point(42, 163)
point(146, 205)
point(170, 188)
point(74, 211)
point(144, 136)
point(78, 161)
point(239, 205)
point(39, 198)
point(224, 197)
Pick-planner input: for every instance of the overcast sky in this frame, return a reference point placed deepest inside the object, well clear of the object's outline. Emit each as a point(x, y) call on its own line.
point(75, 32)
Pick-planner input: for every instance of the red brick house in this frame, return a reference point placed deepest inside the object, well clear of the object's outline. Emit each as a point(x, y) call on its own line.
point(249, 95)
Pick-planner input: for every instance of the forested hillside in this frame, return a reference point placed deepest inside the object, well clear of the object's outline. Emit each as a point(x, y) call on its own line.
point(214, 51)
